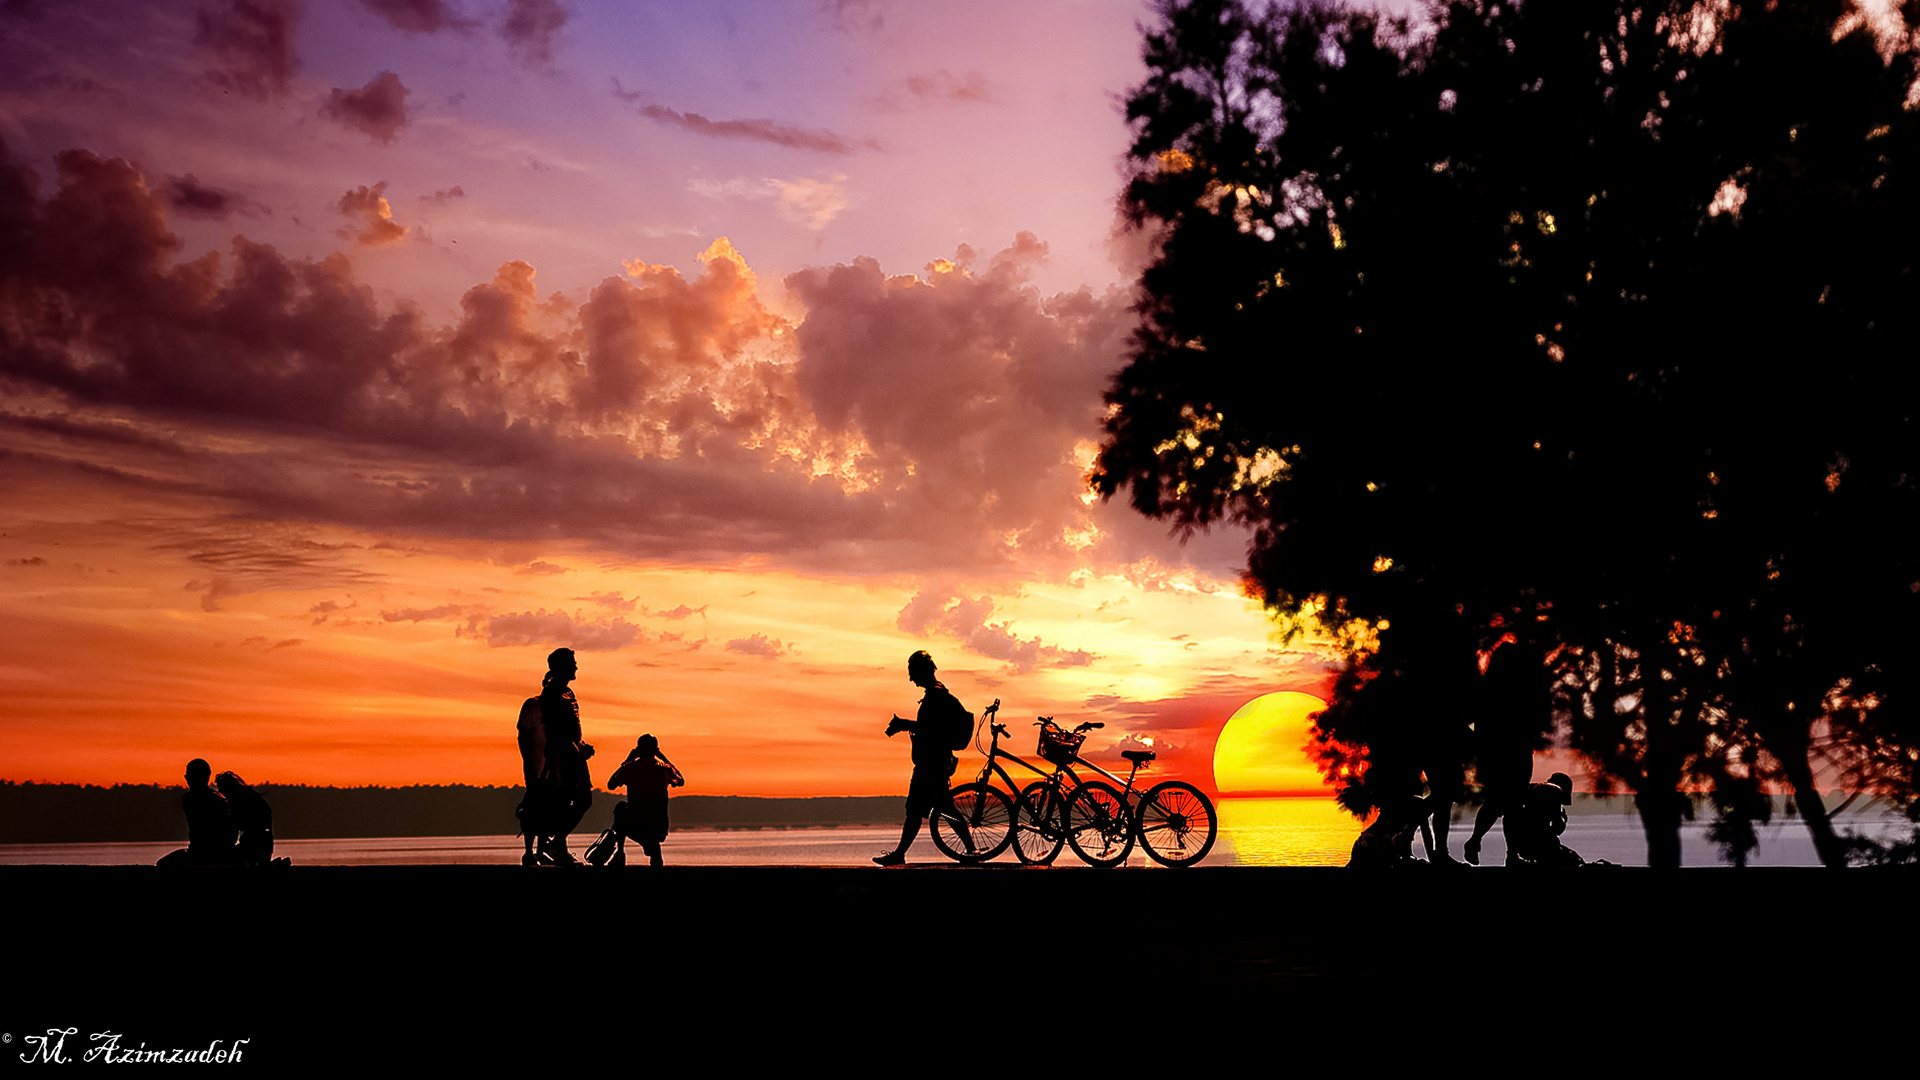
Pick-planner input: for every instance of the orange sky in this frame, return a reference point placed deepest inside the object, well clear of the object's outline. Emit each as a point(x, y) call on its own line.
point(350, 368)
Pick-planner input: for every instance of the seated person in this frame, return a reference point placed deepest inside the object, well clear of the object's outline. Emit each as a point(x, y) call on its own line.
point(1534, 827)
point(252, 817)
point(209, 824)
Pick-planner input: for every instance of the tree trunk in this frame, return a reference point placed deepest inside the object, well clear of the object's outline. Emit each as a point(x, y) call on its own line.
point(1658, 794)
point(1793, 760)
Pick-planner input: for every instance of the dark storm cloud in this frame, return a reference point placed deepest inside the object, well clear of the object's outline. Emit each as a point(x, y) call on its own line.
point(378, 109)
point(254, 42)
point(912, 423)
point(531, 27)
point(418, 16)
point(756, 130)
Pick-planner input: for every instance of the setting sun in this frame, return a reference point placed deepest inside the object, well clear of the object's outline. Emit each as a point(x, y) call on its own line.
point(1261, 751)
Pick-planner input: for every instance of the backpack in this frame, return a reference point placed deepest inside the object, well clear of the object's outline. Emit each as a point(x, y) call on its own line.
point(959, 723)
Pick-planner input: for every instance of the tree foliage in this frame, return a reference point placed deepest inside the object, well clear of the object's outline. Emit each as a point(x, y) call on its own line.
point(1585, 329)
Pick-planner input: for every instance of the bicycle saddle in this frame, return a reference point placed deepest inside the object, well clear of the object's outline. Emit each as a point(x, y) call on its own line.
point(1138, 757)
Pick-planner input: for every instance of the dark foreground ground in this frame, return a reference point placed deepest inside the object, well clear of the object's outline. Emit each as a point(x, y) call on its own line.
point(716, 968)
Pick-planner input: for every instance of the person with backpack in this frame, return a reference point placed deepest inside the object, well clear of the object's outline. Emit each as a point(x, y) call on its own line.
point(562, 790)
point(942, 726)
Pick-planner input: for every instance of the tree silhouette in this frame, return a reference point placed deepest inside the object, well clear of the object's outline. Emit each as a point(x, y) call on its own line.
point(1581, 328)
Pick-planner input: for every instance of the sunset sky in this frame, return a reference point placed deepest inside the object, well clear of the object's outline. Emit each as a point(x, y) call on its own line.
point(357, 354)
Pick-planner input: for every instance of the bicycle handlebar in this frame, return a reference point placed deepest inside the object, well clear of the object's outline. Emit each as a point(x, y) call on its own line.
point(1045, 720)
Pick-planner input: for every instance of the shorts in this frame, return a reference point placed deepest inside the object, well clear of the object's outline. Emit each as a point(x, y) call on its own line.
point(928, 791)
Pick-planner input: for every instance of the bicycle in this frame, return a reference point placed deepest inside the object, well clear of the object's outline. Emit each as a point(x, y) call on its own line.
point(986, 810)
point(981, 805)
point(1174, 821)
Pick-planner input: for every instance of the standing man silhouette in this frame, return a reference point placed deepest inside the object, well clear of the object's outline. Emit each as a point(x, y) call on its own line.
point(938, 726)
point(566, 790)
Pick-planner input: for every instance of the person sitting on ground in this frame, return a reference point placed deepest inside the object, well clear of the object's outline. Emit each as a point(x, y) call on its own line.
point(942, 723)
point(646, 774)
point(252, 817)
point(209, 824)
point(1389, 840)
point(1534, 827)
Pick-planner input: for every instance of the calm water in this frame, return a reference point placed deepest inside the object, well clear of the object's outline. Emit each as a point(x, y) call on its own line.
point(1253, 832)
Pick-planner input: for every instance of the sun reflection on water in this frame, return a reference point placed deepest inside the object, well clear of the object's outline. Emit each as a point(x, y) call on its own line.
point(1287, 832)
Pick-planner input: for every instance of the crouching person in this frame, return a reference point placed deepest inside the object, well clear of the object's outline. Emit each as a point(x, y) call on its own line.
point(646, 774)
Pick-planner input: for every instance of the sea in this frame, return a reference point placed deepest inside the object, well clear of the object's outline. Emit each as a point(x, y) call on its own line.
point(1253, 832)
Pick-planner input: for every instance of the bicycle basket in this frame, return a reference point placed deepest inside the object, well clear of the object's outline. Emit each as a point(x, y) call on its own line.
point(1059, 745)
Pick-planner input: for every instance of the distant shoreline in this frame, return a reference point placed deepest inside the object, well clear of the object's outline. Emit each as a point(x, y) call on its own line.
point(34, 813)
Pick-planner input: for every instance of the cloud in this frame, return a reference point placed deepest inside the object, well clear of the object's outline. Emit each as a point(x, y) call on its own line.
point(966, 620)
point(943, 85)
point(370, 205)
point(812, 203)
point(242, 558)
point(434, 614)
point(757, 130)
point(418, 16)
point(758, 645)
point(681, 612)
point(188, 197)
point(327, 609)
point(558, 628)
point(611, 600)
point(806, 202)
point(378, 109)
point(850, 15)
point(254, 41)
point(531, 27)
point(539, 568)
point(909, 422)
point(444, 196)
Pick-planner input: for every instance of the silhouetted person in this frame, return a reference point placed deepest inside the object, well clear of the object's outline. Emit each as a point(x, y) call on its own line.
point(566, 790)
point(646, 774)
point(938, 727)
point(209, 824)
point(533, 765)
point(1513, 704)
point(1534, 829)
point(252, 817)
point(1445, 755)
point(1389, 840)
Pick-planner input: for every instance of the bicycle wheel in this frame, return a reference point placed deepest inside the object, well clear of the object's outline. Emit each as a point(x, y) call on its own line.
point(989, 817)
point(1037, 838)
point(1099, 827)
point(1176, 824)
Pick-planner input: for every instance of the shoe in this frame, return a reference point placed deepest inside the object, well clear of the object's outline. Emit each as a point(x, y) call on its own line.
point(619, 859)
point(1473, 852)
point(891, 858)
point(529, 859)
